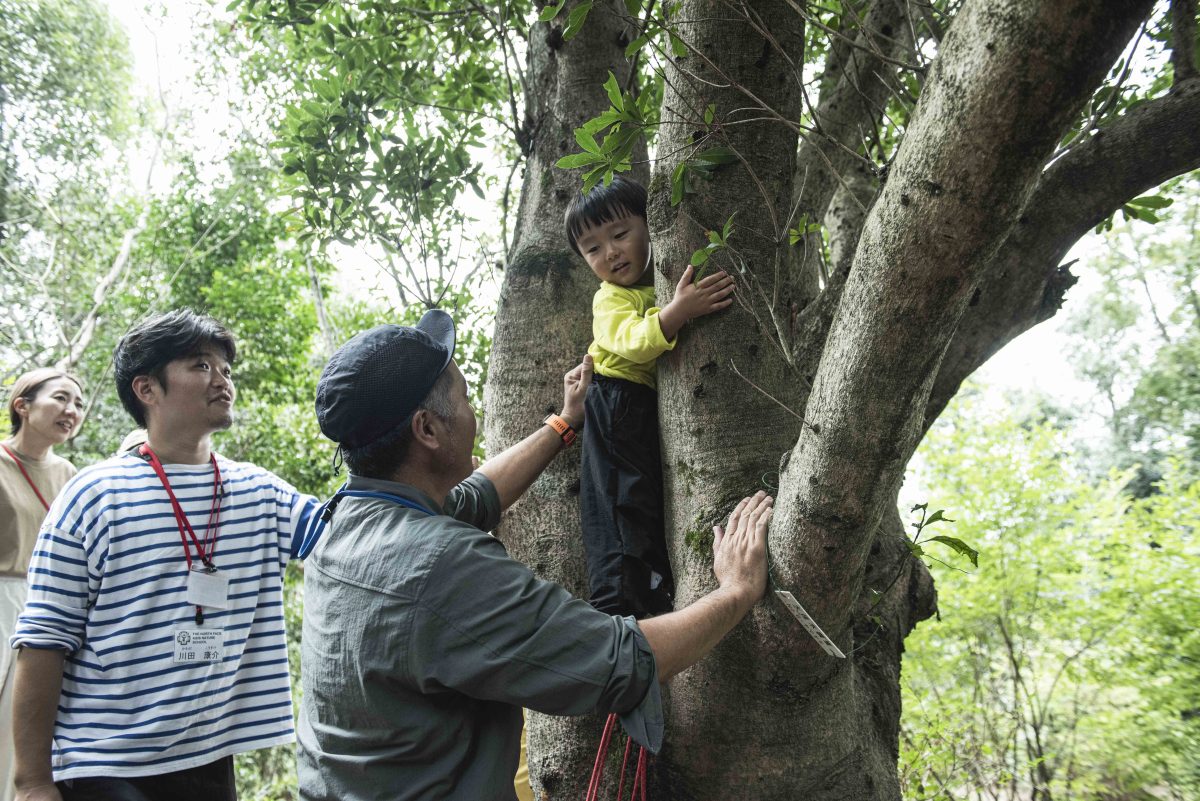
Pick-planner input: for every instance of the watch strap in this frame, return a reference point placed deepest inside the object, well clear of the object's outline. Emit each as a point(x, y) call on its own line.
point(562, 428)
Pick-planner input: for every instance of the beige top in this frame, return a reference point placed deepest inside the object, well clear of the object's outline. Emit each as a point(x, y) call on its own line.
point(21, 512)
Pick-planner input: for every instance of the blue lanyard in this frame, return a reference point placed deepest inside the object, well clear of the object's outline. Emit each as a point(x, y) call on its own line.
point(307, 538)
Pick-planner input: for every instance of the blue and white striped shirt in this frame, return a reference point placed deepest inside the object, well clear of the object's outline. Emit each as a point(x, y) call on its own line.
point(108, 584)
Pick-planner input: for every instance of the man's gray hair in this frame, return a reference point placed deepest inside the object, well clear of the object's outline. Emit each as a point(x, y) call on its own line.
point(381, 458)
point(438, 400)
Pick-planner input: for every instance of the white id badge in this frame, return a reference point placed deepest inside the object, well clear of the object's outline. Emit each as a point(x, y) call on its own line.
point(196, 646)
point(207, 589)
point(809, 624)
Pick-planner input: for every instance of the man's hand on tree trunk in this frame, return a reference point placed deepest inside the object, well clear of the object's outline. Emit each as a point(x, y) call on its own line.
point(682, 638)
point(740, 548)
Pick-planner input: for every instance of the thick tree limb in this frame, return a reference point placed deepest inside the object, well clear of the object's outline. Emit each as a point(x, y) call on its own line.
point(1025, 282)
point(850, 106)
point(1007, 82)
point(855, 87)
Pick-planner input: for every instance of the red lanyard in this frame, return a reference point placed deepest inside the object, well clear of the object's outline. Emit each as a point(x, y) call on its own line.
point(32, 486)
point(204, 549)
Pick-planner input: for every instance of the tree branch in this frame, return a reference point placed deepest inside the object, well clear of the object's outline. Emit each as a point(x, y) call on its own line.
point(1025, 282)
point(849, 107)
point(849, 110)
point(1183, 39)
point(1006, 84)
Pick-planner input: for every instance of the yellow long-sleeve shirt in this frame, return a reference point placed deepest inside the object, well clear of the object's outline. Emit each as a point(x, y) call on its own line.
point(626, 335)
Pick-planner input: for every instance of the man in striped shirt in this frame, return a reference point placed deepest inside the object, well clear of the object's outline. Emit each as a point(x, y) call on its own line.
point(152, 645)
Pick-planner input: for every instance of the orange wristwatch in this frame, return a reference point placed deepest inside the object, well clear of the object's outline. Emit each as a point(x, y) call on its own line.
point(561, 427)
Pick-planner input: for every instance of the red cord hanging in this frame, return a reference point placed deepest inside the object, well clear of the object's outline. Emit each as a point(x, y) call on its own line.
point(637, 790)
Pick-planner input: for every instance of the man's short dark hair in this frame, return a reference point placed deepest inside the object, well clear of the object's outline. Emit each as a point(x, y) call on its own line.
point(381, 458)
point(148, 348)
point(604, 204)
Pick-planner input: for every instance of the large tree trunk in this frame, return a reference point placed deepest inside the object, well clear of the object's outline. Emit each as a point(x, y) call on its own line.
point(543, 327)
point(769, 715)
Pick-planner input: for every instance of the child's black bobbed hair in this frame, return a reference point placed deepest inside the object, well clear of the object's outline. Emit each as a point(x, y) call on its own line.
point(604, 204)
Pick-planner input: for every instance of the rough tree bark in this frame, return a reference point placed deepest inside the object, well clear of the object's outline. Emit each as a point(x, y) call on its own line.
point(543, 327)
point(817, 393)
point(768, 710)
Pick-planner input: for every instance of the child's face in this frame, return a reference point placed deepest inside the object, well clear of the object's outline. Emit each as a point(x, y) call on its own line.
point(618, 251)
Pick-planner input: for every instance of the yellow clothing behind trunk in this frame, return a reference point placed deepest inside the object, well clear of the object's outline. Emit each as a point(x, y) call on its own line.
point(627, 337)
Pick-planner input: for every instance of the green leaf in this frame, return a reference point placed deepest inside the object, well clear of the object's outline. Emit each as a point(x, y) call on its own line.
point(325, 89)
point(727, 229)
point(551, 11)
point(633, 6)
point(576, 19)
point(614, 91)
point(1151, 202)
point(636, 45)
point(598, 123)
point(699, 257)
point(914, 549)
point(1139, 213)
point(710, 112)
point(577, 160)
point(716, 156)
point(938, 517)
point(959, 547)
point(714, 238)
point(678, 183)
point(590, 179)
point(677, 46)
point(586, 141)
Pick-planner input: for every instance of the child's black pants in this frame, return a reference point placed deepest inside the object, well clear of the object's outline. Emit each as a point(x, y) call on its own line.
point(620, 499)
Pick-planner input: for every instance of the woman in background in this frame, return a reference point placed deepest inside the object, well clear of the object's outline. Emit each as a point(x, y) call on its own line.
point(45, 409)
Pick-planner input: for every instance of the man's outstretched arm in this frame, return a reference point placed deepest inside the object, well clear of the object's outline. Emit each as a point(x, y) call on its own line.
point(513, 471)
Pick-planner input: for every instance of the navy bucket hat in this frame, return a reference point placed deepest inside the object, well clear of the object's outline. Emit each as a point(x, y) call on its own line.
point(378, 379)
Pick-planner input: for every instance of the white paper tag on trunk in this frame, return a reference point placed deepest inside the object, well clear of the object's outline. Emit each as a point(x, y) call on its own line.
point(809, 624)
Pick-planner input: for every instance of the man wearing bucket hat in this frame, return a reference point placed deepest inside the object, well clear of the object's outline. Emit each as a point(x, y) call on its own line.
point(422, 639)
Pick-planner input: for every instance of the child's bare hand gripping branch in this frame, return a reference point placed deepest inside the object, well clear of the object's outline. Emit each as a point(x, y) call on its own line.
point(711, 293)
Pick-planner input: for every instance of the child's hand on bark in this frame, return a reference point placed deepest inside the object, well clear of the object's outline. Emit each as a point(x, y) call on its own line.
point(709, 294)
